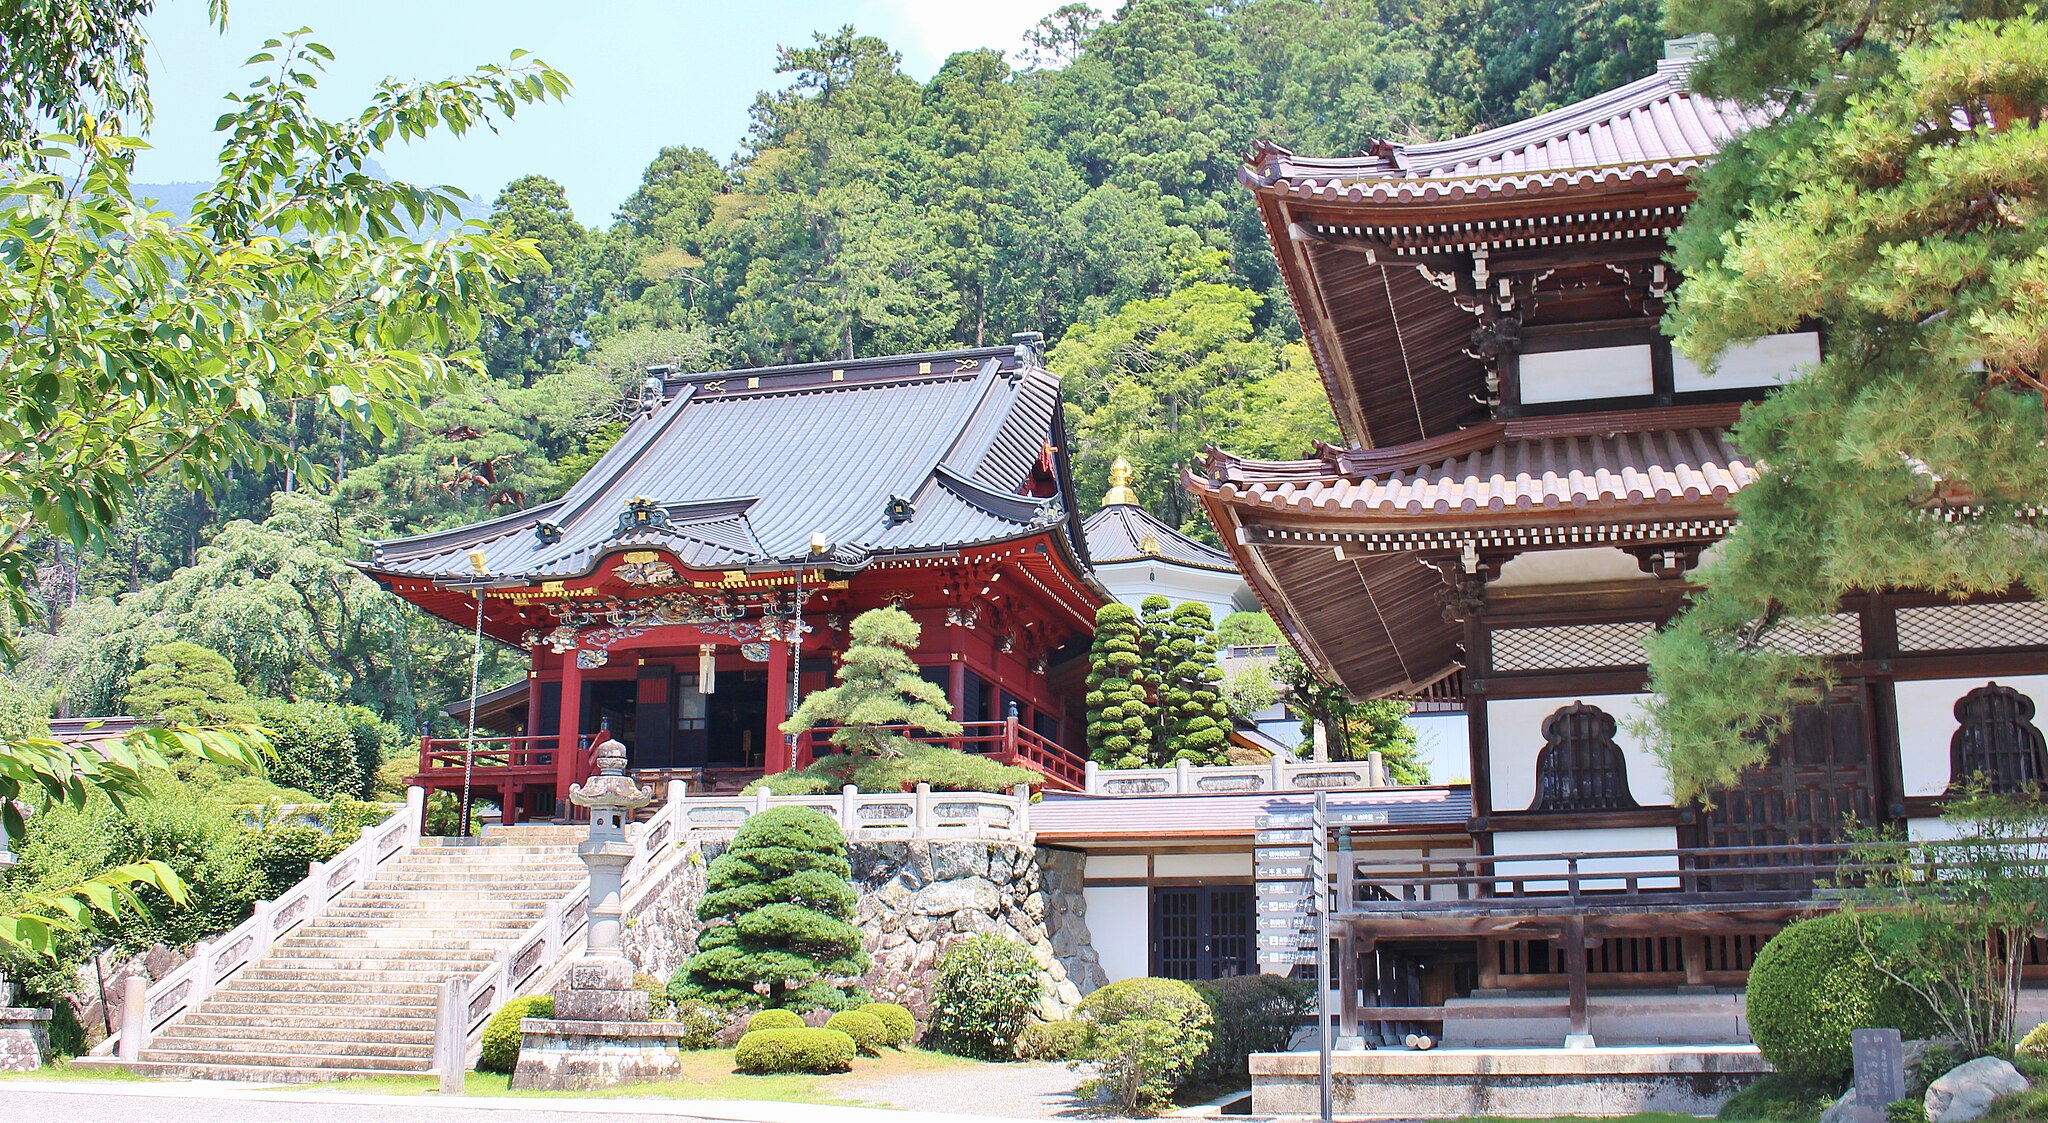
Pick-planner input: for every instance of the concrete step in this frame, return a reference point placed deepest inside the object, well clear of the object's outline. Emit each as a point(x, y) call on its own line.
point(340, 1041)
point(262, 977)
point(284, 1058)
point(261, 1007)
point(255, 1074)
point(394, 1021)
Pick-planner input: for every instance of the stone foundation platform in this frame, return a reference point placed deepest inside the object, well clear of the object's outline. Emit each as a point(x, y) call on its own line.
point(24, 1038)
point(560, 1055)
point(1450, 1083)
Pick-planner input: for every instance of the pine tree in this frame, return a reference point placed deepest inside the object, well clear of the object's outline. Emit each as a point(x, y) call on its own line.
point(778, 907)
point(1191, 691)
point(878, 686)
point(1120, 716)
point(183, 683)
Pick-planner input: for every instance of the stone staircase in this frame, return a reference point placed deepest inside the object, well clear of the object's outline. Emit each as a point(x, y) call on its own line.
point(352, 992)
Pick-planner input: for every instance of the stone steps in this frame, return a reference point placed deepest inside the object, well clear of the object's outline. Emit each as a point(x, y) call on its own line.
point(352, 992)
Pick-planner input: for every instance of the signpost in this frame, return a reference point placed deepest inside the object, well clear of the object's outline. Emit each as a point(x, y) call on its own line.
point(1291, 870)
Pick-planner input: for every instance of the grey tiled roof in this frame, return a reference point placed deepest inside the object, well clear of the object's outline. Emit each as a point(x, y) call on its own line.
point(1120, 531)
point(749, 464)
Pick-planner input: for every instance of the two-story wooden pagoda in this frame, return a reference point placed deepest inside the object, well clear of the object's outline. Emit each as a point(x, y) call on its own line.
point(700, 578)
point(1531, 473)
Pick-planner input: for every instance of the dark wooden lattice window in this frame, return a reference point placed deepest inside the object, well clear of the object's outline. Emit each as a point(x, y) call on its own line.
point(1580, 768)
point(1996, 737)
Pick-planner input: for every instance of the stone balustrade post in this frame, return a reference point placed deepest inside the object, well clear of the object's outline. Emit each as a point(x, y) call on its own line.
point(849, 818)
point(1091, 781)
point(760, 799)
point(259, 922)
point(202, 972)
point(134, 1017)
point(451, 1035)
point(1021, 823)
point(1182, 779)
point(415, 814)
point(921, 821)
point(1375, 769)
point(1278, 772)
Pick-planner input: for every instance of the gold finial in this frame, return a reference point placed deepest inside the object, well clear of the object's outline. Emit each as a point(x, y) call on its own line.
point(1120, 485)
point(479, 562)
point(1149, 545)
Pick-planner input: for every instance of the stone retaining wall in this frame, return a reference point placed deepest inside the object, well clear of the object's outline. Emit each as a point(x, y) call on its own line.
point(916, 898)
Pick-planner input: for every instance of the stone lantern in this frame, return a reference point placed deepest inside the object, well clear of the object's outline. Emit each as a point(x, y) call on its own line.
point(600, 1034)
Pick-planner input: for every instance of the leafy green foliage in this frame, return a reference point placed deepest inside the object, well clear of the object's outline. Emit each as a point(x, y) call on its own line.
point(946, 770)
point(869, 1035)
point(1245, 629)
point(1354, 728)
point(1810, 986)
point(2035, 1043)
point(985, 988)
point(1251, 1014)
point(901, 1024)
point(775, 1019)
point(878, 687)
point(764, 1051)
point(1776, 1097)
point(778, 907)
point(1196, 725)
point(1149, 1034)
point(500, 1049)
point(1121, 720)
point(332, 751)
point(1887, 201)
point(71, 61)
point(1055, 1041)
point(185, 684)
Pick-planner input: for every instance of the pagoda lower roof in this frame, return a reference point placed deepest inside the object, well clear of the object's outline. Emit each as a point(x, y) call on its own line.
point(1354, 551)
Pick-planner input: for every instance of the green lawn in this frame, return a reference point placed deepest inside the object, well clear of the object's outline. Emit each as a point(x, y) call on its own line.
point(707, 1075)
point(62, 1069)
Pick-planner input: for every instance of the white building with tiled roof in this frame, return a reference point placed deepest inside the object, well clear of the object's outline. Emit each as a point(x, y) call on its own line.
point(1135, 556)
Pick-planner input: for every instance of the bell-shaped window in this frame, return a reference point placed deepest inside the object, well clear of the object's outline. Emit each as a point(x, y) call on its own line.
point(1995, 737)
point(1580, 768)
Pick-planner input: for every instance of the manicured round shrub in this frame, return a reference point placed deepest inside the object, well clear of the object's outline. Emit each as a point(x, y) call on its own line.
point(2035, 1043)
point(985, 987)
point(869, 1035)
point(500, 1051)
point(901, 1024)
point(1054, 1041)
point(775, 1019)
point(1148, 1036)
point(764, 1051)
point(1811, 985)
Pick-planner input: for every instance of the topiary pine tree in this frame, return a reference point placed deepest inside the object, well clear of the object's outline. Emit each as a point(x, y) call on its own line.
point(1155, 628)
point(183, 683)
point(1191, 692)
point(878, 686)
point(778, 907)
point(1120, 716)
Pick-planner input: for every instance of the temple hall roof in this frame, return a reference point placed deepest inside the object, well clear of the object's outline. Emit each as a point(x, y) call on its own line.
point(1123, 531)
point(741, 469)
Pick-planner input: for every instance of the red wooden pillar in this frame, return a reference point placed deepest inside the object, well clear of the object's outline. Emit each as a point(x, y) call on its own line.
point(568, 734)
point(508, 803)
point(776, 753)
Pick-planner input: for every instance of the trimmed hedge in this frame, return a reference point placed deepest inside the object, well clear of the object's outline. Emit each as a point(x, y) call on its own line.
point(902, 1025)
point(500, 1051)
point(1148, 1036)
point(1811, 985)
point(765, 1051)
point(869, 1034)
point(2035, 1043)
point(775, 1019)
point(1253, 1014)
point(1054, 1041)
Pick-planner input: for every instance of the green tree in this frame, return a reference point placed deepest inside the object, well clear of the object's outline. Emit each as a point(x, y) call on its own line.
point(72, 61)
point(1353, 728)
point(1197, 727)
point(550, 301)
point(778, 906)
point(332, 751)
point(185, 684)
point(1121, 720)
point(878, 687)
point(1910, 456)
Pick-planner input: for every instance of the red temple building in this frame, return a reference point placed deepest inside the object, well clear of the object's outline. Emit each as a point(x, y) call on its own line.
point(701, 577)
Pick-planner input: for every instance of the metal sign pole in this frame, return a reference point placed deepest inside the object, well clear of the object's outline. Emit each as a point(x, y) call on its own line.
point(1319, 871)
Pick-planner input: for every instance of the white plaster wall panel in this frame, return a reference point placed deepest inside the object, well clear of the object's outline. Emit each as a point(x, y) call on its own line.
point(1203, 865)
point(1932, 830)
point(1132, 582)
point(1568, 567)
point(1120, 923)
point(1590, 841)
point(1773, 360)
point(1586, 373)
point(1927, 719)
point(1514, 733)
point(1120, 866)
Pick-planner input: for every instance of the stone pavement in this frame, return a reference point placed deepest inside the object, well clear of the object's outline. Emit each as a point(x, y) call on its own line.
point(210, 1102)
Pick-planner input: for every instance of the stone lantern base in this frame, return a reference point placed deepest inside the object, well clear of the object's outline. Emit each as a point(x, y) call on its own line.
point(599, 1035)
point(24, 1039)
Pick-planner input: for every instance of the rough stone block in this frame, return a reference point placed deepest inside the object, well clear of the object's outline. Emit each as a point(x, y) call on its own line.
point(558, 1055)
point(1968, 1090)
point(24, 1039)
point(601, 1005)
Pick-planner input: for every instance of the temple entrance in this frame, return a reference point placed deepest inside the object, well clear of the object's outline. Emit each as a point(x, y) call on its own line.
point(614, 704)
point(1817, 777)
point(1202, 931)
point(735, 720)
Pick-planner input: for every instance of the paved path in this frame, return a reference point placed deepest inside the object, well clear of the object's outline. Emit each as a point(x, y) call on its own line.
point(1024, 1091)
point(203, 1102)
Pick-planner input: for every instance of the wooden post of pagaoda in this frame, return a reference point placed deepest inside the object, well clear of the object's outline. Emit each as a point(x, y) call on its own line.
point(451, 1035)
point(1578, 1029)
point(134, 1017)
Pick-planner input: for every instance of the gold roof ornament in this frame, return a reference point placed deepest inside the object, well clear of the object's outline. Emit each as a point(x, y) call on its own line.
point(1120, 492)
point(1149, 545)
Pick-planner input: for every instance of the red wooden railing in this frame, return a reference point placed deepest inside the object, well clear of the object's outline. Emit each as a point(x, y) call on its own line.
point(1008, 741)
point(442, 758)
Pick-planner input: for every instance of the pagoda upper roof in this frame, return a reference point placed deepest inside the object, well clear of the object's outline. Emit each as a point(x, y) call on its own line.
point(1126, 532)
point(745, 469)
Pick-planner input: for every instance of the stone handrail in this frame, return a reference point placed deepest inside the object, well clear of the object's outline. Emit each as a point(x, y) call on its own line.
point(877, 816)
point(1274, 776)
point(525, 962)
point(149, 1007)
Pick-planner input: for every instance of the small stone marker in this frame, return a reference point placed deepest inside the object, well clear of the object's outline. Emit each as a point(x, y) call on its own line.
point(1880, 1062)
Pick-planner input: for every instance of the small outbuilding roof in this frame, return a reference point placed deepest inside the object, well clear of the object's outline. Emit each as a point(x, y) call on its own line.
point(1123, 531)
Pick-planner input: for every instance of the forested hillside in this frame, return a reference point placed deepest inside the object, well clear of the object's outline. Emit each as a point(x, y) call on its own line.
point(1085, 190)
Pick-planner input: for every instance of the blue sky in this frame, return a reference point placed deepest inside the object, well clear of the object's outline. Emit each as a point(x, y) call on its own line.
point(647, 74)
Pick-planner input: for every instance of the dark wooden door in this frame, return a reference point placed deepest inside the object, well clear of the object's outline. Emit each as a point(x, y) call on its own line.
point(1202, 931)
point(1818, 777)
